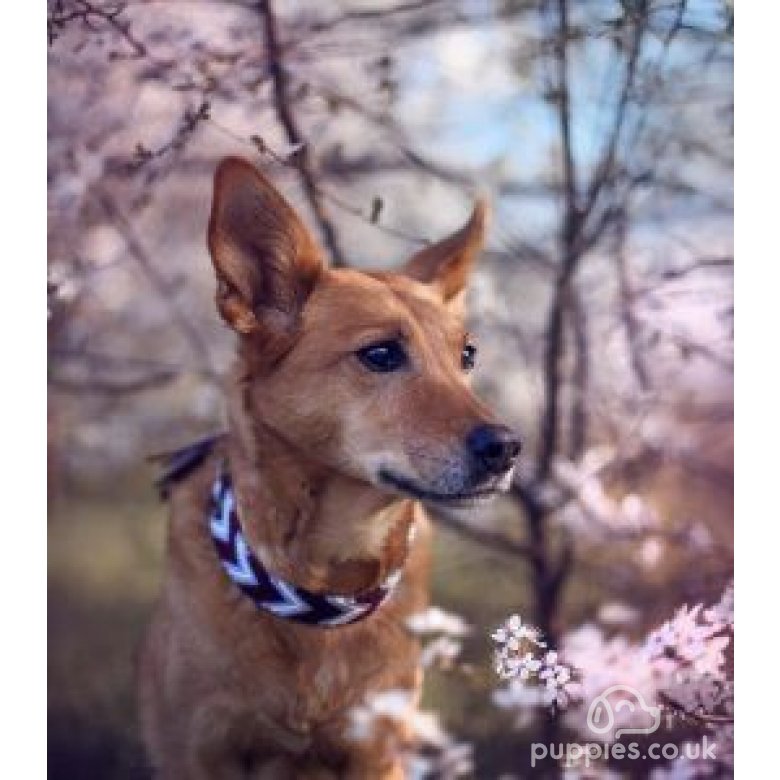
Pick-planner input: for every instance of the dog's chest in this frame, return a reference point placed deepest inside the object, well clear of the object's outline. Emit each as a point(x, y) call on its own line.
point(333, 678)
point(322, 688)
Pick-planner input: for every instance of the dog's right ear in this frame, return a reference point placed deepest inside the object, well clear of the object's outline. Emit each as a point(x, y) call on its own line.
point(266, 261)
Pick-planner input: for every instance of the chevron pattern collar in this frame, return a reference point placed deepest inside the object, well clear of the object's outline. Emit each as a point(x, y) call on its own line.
point(271, 593)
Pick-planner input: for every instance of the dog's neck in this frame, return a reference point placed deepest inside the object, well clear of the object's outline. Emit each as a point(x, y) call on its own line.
point(313, 526)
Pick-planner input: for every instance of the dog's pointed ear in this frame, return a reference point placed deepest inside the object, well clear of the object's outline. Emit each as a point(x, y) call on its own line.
point(266, 261)
point(448, 263)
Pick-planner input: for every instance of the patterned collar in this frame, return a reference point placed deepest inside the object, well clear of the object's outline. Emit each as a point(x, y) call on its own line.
point(271, 593)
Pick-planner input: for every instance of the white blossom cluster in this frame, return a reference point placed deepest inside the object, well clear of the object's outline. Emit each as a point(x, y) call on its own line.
point(522, 657)
point(428, 751)
point(435, 620)
point(442, 631)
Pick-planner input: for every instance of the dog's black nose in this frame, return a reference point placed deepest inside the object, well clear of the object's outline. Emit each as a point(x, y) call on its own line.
point(494, 448)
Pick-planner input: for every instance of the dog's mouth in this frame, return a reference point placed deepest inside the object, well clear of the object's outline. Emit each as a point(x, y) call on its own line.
point(456, 498)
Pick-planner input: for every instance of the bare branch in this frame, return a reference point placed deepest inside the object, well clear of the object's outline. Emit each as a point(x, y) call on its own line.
point(284, 112)
point(579, 406)
point(494, 541)
point(112, 387)
point(702, 263)
point(91, 15)
point(186, 129)
point(630, 323)
point(156, 280)
point(603, 173)
point(100, 361)
point(571, 220)
point(373, 15)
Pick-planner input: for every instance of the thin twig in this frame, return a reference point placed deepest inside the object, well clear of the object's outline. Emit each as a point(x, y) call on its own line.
point(261, 145)
point(157, 281)
point(372, 15)
point(603, 174)
point(87, 13)
point(490, 539)
point(112, 387)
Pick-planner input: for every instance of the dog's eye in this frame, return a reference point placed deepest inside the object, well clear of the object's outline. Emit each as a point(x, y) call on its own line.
point(383, 357)
point(468, 357)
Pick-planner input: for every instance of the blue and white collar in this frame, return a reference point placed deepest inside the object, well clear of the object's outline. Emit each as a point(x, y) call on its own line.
point(271, 593)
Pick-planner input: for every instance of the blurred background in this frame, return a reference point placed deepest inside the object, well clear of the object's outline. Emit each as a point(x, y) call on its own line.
point(603, 309)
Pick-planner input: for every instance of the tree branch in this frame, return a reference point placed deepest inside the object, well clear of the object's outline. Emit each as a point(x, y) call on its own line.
point(286, 117)
point(157, 281)
point(581, 379)
point(626, 294)
point(112, 387)
point(88, 13)
point(555, 336)
point(490, 539)
point(373, 15)
point(603, 172)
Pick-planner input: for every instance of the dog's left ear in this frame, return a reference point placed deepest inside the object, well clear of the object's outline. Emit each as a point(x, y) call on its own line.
point(448, 263)
point(265, 259)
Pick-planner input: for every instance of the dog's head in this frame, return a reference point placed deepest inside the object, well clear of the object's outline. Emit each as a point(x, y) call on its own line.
point(366, 373)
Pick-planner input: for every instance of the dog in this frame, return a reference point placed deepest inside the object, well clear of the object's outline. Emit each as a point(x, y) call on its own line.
point(298, 545)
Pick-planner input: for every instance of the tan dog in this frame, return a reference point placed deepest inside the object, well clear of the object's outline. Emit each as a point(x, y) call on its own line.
point(348, 404)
